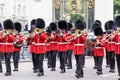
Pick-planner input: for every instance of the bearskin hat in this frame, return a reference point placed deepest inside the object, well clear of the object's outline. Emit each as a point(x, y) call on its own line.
point(17, 26)
point(48, 30)
point(8, 24)
point(53, 26)
point(109, 25)
point(40, 23)
point(79, 24)
point(69, 26)
point(98, 31)
point(62, 24)
point(117, 21)
point(98, 21)
point(96, 24)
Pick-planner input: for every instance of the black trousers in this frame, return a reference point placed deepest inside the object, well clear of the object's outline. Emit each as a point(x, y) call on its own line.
point(95, 60)
point(40, 58)
point(69, 58)
point(99, 63)
point(7, 62)
point(34, 61)
point(118, 63)
point(79, 63)
point(62, 56)
point(1, 58)
point(48, 55)
point(16, 57)
point(53, 58)
point(112, 60)
point(107, 58)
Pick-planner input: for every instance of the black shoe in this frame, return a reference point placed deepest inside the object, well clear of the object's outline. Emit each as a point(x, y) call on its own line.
point(16, 69)
point(112, 71)
point(49, 66)
point(99, 72)
point(69, 67)
point(53, 69)
point(35, 71)
point(1, 71)
point(7, 74)
point(40, 74)
point(95, 67)
point(107, 66)
point(118, 78)
point(62, 71)
point(79, 76)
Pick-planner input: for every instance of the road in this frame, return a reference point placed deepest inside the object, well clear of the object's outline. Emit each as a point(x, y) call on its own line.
point(26, 72)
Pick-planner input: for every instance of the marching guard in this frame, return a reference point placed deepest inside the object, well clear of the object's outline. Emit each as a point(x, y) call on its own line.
point(117, 44)
point(110, 44)
point(62, 44)
point(17, 45)
point(79, 47)
point(99, 48)
point(8, 47)
point(53, 45)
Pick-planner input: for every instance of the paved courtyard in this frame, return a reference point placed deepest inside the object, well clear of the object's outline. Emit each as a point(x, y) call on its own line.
point(26, 72)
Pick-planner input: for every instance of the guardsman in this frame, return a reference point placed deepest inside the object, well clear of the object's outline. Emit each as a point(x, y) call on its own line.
point(1, 54)
point(117, 44)
point(17, 45)
point(30, 41)
point(48, 49)
point(70, 46)
point(99, 48)
point(110, 44)
point(8, 47)
point(62, 44)
point(79, 46)
point(53, 45)
point(40, 44)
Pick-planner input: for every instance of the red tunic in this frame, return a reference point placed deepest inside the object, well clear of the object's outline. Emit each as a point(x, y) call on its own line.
point(8, 43)
point(40, 40)
point(62, 43)
point(20, 41)
point(117, 44)
point(79, 45)
point(1, 44)
point(53, 42)
point(99, 50)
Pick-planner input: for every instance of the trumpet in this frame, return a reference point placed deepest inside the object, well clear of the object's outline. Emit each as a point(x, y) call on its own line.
point(118, 31)
point(78, 33)
point(36, 30)
point(5, 32)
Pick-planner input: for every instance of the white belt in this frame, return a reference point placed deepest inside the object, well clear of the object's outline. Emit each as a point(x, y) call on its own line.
point(40, 44)
point(111, 42)
point(79, 44)
point(8, 43)
point(47, 44)
point(68, 42)
point(1, 43)
point(53, 42)
point(99, 47)
point(62, 42)
point(33, 43)
point(117, 43)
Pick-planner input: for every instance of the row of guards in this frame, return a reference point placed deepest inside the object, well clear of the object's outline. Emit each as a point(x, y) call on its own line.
point(64, 43)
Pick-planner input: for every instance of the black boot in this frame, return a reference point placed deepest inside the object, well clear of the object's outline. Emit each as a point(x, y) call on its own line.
point(16, 69)
point(7, 74)
point(62, 71)
point(118, 78)
point(79, 75)
point(99, 72)
point(1, 71)
point(40, 74)
point(112, 71)
point(53, 69)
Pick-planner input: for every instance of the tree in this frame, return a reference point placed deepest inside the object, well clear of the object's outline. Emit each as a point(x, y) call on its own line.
point(76, 16)
point(116, 6)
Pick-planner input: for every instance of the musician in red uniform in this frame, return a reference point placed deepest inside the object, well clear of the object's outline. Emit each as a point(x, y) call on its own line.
point(110, 44)
point(99, 48)
point(48, 49)
point(79, 47)
point(94, 40)
point(70, 46)
point(17, 45)
point(40, 40)
point(1, 54)
point(53, 45)
point(117, 44)
point(62, 44)
point(8, 39)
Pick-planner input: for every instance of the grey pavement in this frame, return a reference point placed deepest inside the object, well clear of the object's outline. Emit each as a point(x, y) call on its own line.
point(26, 72)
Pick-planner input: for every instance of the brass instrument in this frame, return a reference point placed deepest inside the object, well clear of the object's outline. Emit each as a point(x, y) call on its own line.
point(118, 31)
point(5, 32)
point(36, 30)
point(78, 33)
